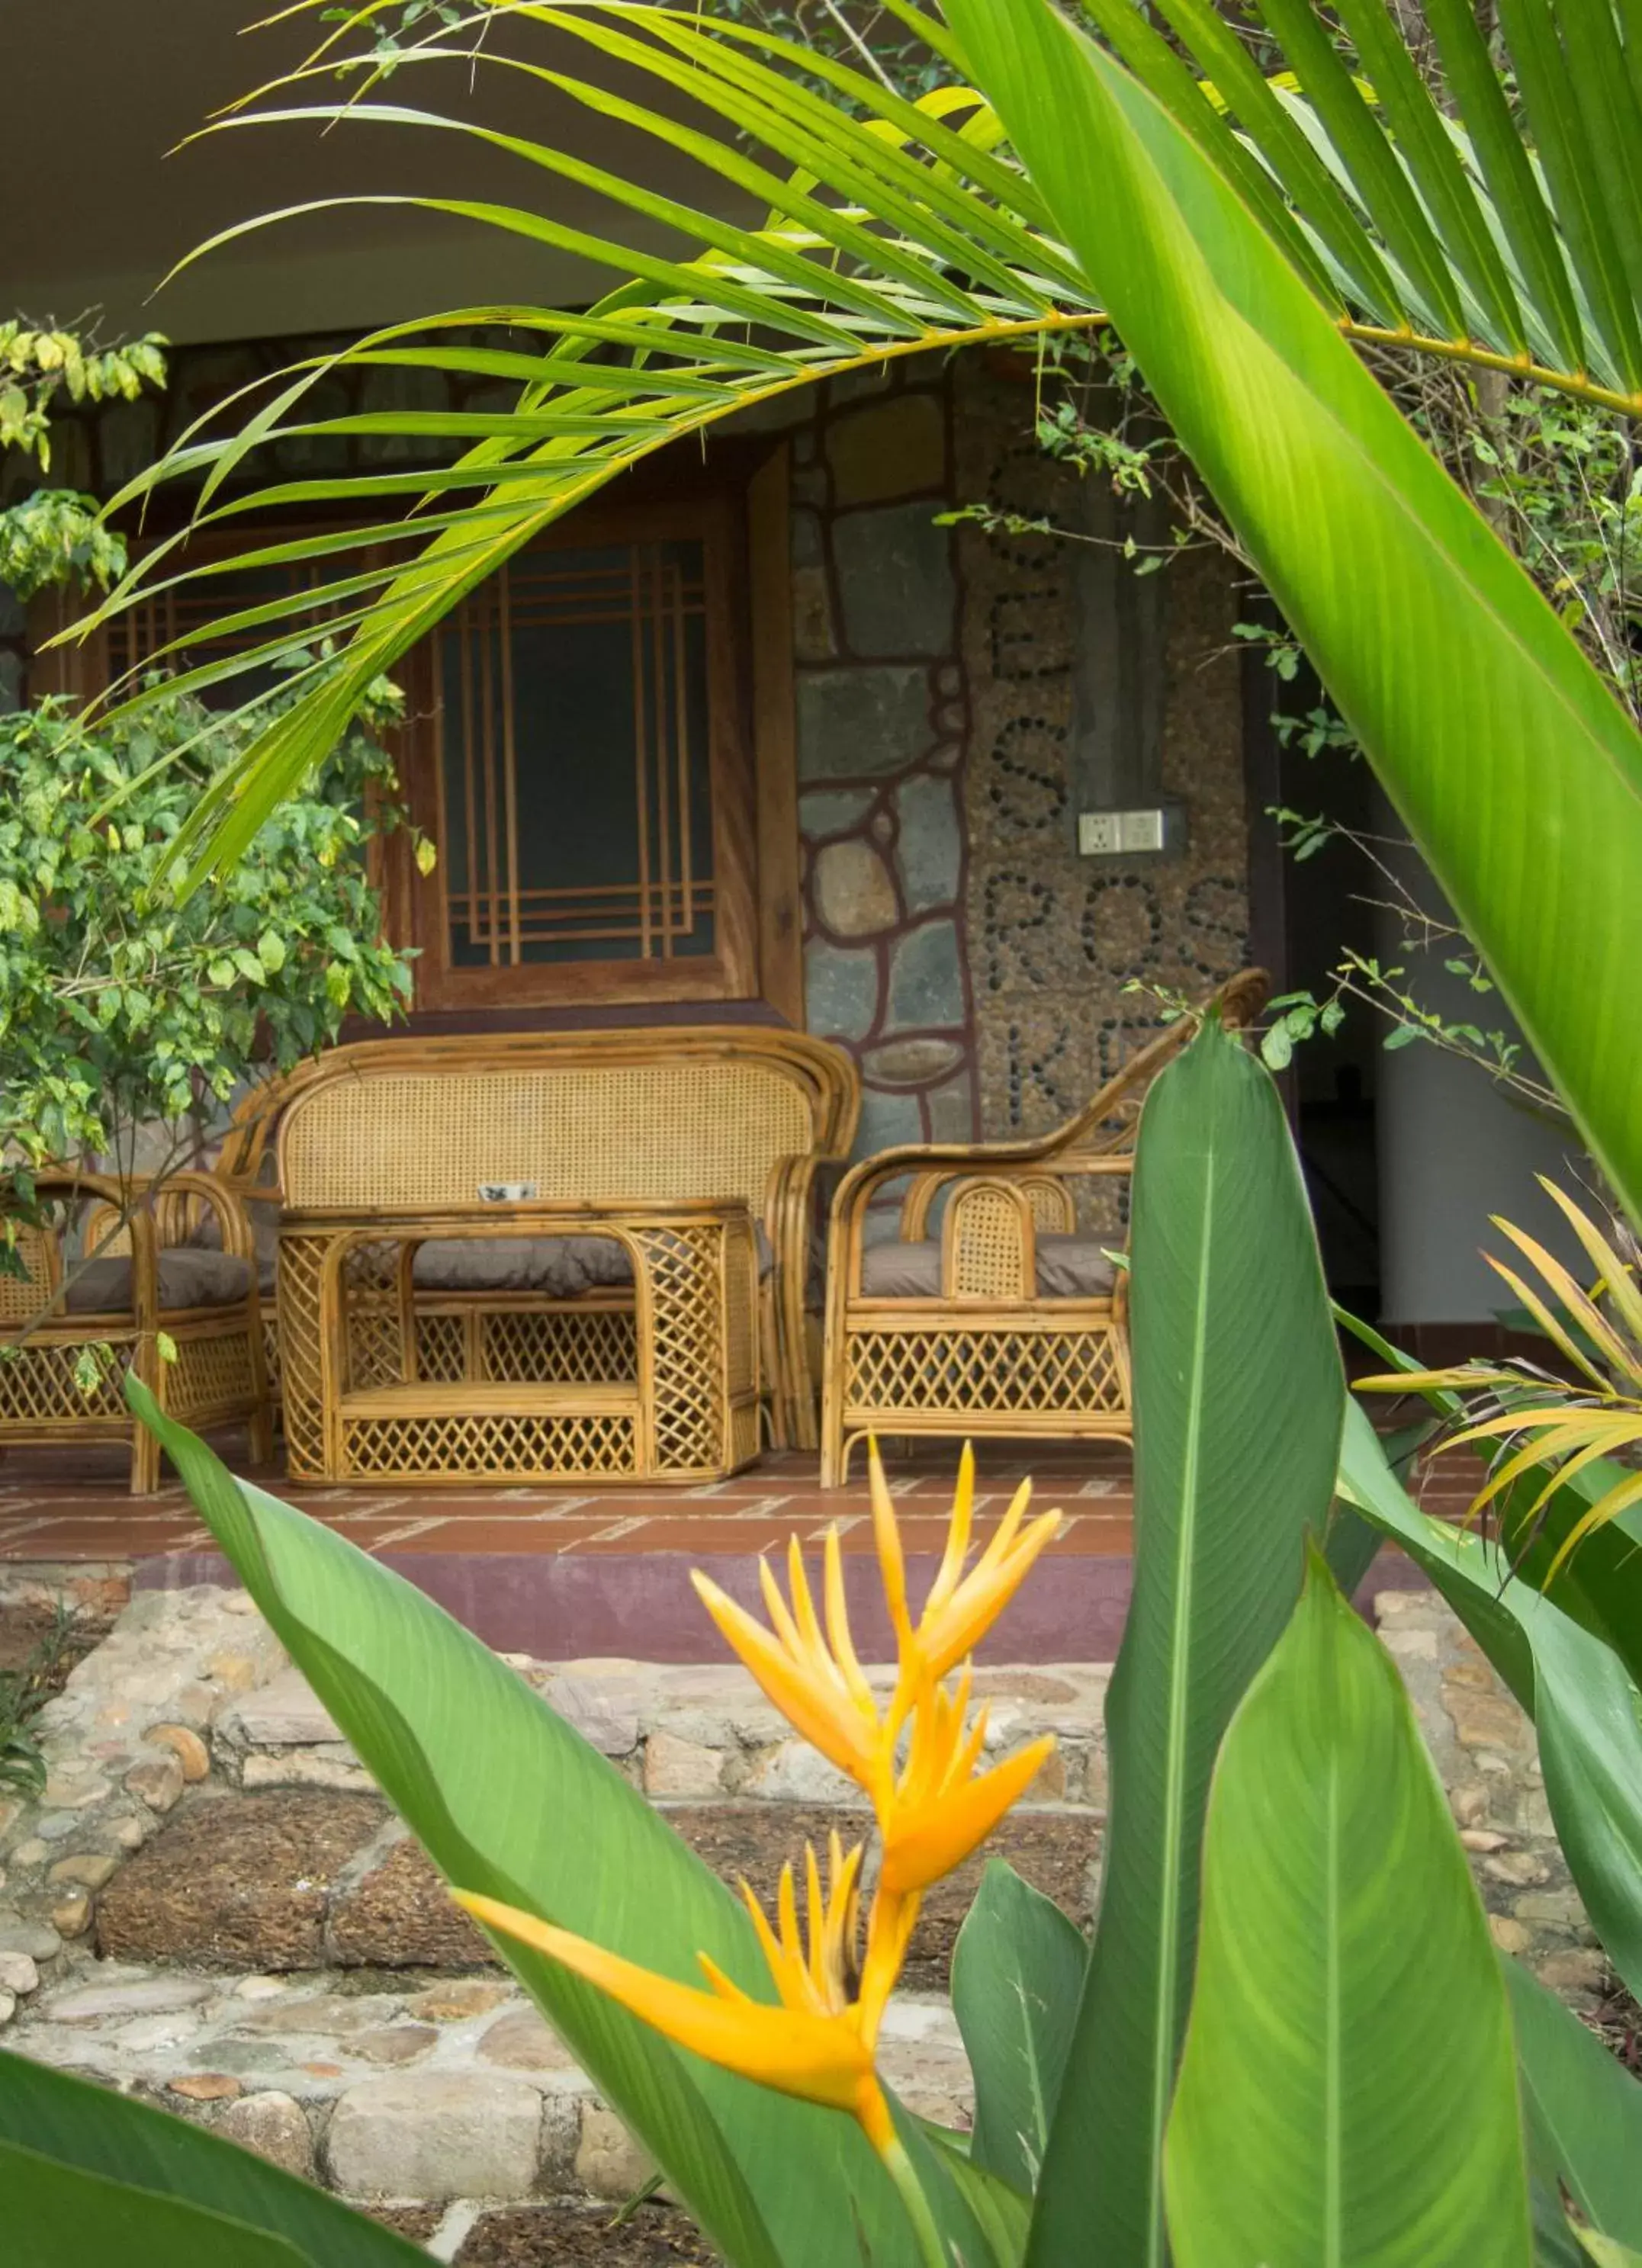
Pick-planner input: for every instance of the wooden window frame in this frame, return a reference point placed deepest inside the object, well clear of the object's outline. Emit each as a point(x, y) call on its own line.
point(749, 484)
point(730, 970)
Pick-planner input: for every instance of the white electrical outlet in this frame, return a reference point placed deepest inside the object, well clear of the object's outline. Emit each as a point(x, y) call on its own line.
point(1121, 834)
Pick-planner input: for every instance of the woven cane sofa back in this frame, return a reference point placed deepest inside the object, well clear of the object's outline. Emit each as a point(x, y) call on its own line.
point(429, 1137)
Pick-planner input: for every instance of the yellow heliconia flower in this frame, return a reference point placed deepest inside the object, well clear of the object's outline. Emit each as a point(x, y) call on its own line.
point(814, 1676)
point(819, 2044)
point(959, 1609)
point(916, 1760)
point(938, 1814)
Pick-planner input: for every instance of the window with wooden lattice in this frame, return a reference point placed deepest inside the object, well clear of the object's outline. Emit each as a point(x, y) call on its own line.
point(578, 758)
point(599, 745)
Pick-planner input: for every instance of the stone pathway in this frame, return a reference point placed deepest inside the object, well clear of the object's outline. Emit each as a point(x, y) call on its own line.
point(212, 1908)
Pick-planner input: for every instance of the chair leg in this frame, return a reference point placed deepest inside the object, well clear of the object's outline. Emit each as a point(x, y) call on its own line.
point(773, 1384)
point(832, 1451)
point(797, 1383)
point(144, 1461)
point(260, 1417)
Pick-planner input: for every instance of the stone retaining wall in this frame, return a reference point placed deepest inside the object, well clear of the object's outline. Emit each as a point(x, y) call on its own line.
point(212, 1907)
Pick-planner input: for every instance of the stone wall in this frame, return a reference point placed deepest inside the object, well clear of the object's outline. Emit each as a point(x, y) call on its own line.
point(1054, 938)
point(883, 734)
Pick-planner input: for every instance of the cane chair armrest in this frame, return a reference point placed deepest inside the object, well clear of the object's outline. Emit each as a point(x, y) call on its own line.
point(937, 1161)
point(220, 1196)
point(122, 1196)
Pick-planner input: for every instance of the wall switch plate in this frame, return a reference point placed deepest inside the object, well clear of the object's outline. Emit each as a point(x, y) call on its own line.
point(1129, 833)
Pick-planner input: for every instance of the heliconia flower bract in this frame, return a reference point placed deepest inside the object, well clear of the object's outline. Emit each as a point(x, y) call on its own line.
point(917, 1759)
point(818, 2043)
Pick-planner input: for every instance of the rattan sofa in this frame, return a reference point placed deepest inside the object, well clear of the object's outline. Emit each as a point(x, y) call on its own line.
point(122, 1265)
point(997, 1308)
point(746, 1113)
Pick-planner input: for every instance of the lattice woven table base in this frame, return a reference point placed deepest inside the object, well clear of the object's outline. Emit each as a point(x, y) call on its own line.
point(542, 1345)
point(546, 1448)
point(958, 1373)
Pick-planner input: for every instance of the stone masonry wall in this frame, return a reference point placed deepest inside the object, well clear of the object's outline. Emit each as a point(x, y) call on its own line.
point(882, 733)
point(1054, 937)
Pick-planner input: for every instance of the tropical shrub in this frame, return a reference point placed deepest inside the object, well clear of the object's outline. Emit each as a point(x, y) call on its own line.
point(122, 1011)
point(125, 1017)
point(53, 536)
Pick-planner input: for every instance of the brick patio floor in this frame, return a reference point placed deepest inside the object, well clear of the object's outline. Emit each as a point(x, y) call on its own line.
point(57, 1505)
point(568, 1572)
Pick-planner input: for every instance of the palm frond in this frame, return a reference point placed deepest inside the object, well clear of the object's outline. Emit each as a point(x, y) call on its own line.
point(1440, 216)
point(891, 229)
point(875, 227)
point(1536, 1422)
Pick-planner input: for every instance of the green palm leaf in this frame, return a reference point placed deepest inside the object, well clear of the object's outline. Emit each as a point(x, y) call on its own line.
point(1230, 257)
point(895, 232)
point(1468, 695)
point(897, 229)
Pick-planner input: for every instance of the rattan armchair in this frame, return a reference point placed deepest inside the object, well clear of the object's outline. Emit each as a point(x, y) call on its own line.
point(141, 1276)
point(998, 1307)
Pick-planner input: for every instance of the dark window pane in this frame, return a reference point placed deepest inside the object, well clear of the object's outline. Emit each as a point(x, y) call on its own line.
point(574, 752)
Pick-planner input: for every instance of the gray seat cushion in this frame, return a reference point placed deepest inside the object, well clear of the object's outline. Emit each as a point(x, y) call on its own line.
point(188, 1277)
point(1069, 1267)
point(558, 1266)
point(264, 1218)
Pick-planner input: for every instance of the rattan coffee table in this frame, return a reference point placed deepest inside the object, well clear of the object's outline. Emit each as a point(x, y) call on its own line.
point(683, 1405)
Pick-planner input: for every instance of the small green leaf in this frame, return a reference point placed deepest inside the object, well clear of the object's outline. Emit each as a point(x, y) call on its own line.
point(1017, 1973)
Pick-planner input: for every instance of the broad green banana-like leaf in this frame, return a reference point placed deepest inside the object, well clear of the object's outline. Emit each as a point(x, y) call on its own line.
point(1586, 1713)
point(87, 2174)
point(1017, 1973)
point(1467, 693)
point(509, 1801)
point(1003, 2212)
point(1566, 1676)
point(1605, 2252)
point(1582, 2109)
point(1237, 1397)
point(1348, 2090)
